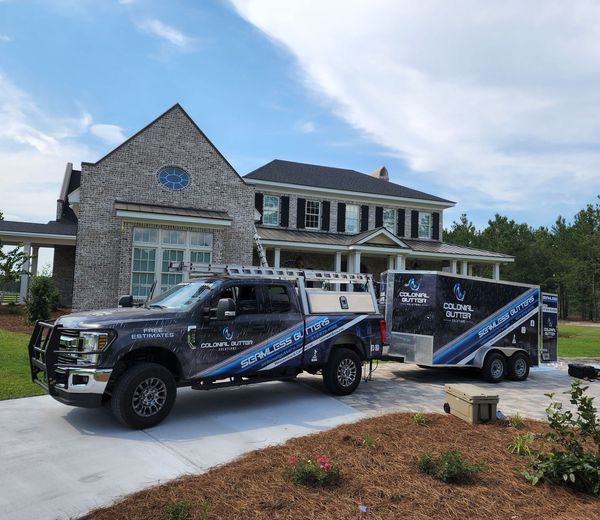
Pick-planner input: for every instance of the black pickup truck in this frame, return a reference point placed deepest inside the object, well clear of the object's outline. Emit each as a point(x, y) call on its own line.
point(212, 331)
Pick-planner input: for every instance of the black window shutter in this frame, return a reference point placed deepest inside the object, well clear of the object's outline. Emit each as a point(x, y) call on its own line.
point(341, 221)
point(364, 218)
point(284, 211)
point(414, 224)
point(300, 213)
point(325, 210)
point(400, 224)
point(258, 204)
point(435, 232)
point(378, 216)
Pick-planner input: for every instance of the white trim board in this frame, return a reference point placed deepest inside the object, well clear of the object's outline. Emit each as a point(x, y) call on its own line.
point(140, 216)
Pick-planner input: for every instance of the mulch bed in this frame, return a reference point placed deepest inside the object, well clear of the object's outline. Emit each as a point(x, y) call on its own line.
point(18, 322)
point(385, 478)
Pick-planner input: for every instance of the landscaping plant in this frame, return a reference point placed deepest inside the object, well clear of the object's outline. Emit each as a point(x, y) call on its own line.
point(315, 471)
point(521, 444)
point(368, 441)
point(451, 467)
point(419, 419)
point(179, 510)
point(41, 299)
point(574, 456)
point(515, 421)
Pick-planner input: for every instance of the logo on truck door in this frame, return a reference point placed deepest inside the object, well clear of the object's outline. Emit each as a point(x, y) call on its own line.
point(227, 333)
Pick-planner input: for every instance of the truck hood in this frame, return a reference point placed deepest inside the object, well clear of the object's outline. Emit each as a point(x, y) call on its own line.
point(115, 318)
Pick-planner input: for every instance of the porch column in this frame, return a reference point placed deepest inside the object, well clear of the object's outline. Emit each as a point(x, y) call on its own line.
point(25, 277)
point(277, 258)
point(391, 262)
point(400, 262)
point(357, 261)
point(470, 270)
point(496, 271)
point(338, 261)
point(454, 266)
point(34, 260)
point(465, 267)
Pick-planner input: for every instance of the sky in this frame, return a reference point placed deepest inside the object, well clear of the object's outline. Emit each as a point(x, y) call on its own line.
point(495, 105)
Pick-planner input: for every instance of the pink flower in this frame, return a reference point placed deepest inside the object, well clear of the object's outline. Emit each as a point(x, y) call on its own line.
point(327, 466)
point(292, 461)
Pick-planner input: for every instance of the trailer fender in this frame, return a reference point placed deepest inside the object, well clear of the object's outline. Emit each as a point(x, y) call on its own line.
point(481, 354)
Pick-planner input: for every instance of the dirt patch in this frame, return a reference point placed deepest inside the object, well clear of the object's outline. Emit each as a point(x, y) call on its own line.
point(384, 478)
point(19, 323)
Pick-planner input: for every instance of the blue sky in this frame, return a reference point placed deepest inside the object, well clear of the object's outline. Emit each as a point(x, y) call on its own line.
point(496, 107)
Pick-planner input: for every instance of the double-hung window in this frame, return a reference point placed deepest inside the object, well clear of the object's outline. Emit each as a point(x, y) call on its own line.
point(312, 219)
point(389, 219)
point(271, 210)
point(153, 251)
point(352, 218)
point(424, 225)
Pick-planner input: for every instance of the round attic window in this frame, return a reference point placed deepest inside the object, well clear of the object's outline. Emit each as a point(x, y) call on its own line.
point(174, 178)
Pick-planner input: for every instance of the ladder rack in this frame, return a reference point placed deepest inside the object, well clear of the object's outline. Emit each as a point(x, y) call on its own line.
point(280, 273)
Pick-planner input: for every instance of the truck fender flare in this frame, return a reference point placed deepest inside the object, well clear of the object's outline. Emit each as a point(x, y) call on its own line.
point(351, 341)
point(507, 352)
point(150, 353)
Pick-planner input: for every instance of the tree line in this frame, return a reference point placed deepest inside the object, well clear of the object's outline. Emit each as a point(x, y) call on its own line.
point(564, 258)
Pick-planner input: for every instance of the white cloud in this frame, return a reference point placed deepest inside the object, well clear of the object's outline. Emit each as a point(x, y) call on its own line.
point(111, 134)
point(165, 32)
point(34, 149)
point(307, 127)
point(5, 38)
point(497, 101)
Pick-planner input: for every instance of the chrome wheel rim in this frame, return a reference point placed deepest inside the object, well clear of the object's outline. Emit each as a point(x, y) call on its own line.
point(346, 372)
point(497, 369)
point(149, 397)
point(520, 367)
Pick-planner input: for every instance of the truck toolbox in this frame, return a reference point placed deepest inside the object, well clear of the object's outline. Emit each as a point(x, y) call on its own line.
point(471, 403)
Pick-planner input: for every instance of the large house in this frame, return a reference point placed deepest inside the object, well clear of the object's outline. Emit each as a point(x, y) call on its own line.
point(168, 194)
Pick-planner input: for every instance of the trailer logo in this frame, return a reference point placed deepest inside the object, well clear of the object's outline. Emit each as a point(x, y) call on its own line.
point(227, 333)
point(458, 292)
point(412, 285)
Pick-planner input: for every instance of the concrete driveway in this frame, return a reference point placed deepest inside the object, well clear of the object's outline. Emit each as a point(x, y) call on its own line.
point(57, 461)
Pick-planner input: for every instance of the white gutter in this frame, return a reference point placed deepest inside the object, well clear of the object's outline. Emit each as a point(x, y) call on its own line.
point(159, 217)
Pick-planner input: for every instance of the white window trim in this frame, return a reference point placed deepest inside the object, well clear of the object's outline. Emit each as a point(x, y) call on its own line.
point(430, 225)
point(320, 206)
point(357, 206)
point(278, 210)
point(159, 247)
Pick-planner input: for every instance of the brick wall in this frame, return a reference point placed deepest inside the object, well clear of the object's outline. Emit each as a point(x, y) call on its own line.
point(130, 173)
point(63, 271)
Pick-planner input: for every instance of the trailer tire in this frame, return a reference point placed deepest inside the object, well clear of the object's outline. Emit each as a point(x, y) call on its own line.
point(494, 367)
point(144, 395)
point(343, 371)
point(518, 366)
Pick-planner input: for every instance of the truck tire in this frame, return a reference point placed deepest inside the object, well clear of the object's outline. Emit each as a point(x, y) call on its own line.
point(144, 395)
point(343, 371)
point(518, 366)
point(494, 367)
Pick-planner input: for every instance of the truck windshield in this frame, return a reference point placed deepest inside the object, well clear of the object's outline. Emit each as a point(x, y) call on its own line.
point(183, 295)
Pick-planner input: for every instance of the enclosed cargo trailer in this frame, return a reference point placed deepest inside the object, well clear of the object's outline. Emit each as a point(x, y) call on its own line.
point(443, 319)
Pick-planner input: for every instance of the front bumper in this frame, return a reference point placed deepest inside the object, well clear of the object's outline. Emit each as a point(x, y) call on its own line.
point(72, 385)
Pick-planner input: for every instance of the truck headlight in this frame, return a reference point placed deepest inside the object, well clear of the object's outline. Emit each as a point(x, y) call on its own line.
point(92, 342)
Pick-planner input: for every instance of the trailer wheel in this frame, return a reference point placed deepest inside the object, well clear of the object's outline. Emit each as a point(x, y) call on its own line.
point(494, 367)
point(343, 371)
point(144, 395)
point(518, 367)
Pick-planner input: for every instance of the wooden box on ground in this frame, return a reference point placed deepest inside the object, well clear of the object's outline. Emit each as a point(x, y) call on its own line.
point(471, 403)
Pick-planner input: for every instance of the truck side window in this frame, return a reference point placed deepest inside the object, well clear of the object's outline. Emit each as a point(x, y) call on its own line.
point(246, 301)
point(279, 299)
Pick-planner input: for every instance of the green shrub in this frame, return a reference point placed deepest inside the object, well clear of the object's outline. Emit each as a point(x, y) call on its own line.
point(41, 298)
point(368, 441)
point(516, 421)
point(571, 460)
point(315, 471)
point(451, 467)
point(419, 419)
point(521, 444)
point(179, 510)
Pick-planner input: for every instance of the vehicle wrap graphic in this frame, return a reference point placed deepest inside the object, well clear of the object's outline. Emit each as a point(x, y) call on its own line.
point(283, 347)
point(485, 333)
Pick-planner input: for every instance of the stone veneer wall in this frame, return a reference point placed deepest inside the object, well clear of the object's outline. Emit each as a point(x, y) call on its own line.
point(130, 173)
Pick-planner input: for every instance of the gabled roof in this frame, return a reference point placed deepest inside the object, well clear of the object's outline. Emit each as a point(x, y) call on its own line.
point(288, 172)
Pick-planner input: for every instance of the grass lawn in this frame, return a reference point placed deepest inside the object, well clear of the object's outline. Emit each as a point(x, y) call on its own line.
point(15, 378)
point(578, 341)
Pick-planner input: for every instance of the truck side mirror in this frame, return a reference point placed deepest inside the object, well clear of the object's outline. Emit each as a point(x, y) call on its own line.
point(225, 309)
point(126, 301)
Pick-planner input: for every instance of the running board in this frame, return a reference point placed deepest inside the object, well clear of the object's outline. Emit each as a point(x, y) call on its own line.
point(236, 381)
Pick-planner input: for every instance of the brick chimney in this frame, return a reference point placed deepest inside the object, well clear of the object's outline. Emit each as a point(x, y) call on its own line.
point(381, 173)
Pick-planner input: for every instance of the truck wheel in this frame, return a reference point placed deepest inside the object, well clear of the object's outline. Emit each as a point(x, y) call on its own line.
point(494, 368)
point(343, 371)
point(518, 367)
point(144, 395)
